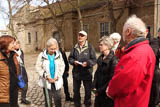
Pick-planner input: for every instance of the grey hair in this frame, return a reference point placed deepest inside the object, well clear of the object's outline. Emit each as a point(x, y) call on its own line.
point(137, 25)
point(51, 41)
point(115, 36)
point(106, 40)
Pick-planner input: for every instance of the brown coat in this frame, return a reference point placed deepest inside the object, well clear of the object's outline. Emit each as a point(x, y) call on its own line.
point(5, 78)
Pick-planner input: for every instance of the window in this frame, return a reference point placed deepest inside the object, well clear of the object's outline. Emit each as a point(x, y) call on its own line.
point(104, 29)
point(56, 35)
point(29, 37)
point(36, 37)
point(86, 28)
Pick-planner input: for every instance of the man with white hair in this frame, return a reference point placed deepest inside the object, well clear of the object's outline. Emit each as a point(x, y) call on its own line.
point(116, 37)
point(131, 84)
point(83, 58)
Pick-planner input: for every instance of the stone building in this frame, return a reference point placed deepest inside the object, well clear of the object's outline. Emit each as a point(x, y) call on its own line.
point(34, 25)
point(3, 32)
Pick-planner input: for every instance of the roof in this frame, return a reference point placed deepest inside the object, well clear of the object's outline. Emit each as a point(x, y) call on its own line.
point(44, 13)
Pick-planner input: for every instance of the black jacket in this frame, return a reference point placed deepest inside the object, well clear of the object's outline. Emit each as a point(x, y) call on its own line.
point(155, 90)
point(104, 72)
point(87, 55)
point(66, 70)
point(155, 44)
point(23, 69)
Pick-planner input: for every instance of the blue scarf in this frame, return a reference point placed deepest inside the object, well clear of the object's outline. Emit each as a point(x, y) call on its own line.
point(51, 65)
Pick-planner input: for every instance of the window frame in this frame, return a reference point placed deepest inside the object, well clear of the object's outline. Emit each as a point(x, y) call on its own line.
point(29, 38)
point(104, 28)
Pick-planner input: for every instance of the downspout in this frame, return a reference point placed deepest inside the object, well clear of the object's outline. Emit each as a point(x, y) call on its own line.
point(157, 15)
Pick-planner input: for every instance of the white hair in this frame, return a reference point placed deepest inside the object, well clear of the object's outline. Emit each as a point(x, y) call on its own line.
point(136, 24)
point(51, 41)
point(106, 40)
point(116, 36)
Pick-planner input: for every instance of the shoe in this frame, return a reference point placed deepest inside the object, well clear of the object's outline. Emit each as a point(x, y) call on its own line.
point(25, 102)
point(69, 99)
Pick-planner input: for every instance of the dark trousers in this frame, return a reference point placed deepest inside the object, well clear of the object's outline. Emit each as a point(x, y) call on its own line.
point(14, 98)
point(24, 92)
point(4, 105)
point(65, 85)
point(101, 101)
point(56, 94)
point(76, 90)
point(155, 89)
point(8, 105)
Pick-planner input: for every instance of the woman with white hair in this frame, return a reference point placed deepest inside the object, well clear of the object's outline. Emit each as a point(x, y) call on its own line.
point(106, 64)
point(50, 67)
point(116, 37)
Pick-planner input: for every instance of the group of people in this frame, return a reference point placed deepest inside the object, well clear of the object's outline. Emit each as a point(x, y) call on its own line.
point(123, 77)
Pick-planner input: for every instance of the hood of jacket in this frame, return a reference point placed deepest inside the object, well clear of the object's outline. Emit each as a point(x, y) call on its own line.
point(45, 56)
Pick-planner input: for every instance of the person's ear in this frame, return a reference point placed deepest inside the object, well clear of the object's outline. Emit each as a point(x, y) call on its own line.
point(128, 31)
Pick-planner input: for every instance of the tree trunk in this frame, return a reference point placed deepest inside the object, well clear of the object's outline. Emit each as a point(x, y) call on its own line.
point(11, 27)
point(114, 24)
point(79, 15)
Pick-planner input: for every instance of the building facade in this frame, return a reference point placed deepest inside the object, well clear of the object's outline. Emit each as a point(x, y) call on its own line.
point(33, 27)
point(3, 32)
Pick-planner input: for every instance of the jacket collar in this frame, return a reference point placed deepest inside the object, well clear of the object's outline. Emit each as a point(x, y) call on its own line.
point(107, 59)
point(85, 46)
point(45, 56)
point(135, 43)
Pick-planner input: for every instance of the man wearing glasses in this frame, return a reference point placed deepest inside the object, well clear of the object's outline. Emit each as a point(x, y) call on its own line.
point(83, 58)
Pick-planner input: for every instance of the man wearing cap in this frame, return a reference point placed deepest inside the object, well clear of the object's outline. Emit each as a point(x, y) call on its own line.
point(83, 58)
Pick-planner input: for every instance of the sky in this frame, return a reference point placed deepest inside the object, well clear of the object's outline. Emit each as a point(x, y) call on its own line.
point(3, 17)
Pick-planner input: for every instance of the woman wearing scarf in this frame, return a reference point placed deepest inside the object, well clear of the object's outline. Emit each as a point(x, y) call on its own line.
point(50, 67)
point(9, 70)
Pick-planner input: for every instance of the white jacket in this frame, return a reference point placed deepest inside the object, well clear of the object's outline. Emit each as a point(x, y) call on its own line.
point(42, 68)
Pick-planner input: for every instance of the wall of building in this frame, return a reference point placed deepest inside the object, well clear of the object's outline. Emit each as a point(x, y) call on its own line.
point(3, 32)
point(146, 13)
point(156, 17)
point(91, 17)
point(34, 45)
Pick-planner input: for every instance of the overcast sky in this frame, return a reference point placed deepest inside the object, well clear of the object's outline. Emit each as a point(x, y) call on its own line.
point(3, 17)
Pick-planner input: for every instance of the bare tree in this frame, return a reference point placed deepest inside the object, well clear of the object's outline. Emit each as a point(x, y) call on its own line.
point(13, 7)
point(76, 5)
point(114, 17)
point(57, 14)
point(11, 27)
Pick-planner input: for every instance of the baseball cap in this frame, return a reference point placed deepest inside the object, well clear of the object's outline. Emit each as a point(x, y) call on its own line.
point(83, 33)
